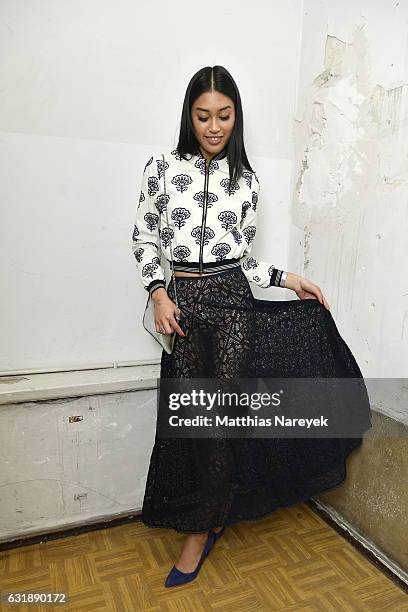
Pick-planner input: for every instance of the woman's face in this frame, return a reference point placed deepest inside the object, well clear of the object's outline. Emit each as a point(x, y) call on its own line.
point(213, 118)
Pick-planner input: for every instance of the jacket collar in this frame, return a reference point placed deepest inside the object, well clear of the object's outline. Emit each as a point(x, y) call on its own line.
point(219, 157)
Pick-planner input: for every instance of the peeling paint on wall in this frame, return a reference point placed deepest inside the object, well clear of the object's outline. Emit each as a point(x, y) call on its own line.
point(350, 200)
point(330, 134)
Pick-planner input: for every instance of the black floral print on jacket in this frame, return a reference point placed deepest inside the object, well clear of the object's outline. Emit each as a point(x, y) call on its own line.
point(209, 228)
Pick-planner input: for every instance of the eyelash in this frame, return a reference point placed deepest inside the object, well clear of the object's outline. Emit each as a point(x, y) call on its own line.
point(222, 119)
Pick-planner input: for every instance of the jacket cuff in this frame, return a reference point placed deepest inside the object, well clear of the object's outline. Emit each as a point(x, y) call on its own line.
point(155, 284)
point(278, 278)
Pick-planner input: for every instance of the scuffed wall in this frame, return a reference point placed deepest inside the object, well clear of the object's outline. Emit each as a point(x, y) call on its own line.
point(73, 461)
point(350, 199)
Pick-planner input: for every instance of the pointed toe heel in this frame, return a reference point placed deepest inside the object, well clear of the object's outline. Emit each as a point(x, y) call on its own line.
point(176, 577)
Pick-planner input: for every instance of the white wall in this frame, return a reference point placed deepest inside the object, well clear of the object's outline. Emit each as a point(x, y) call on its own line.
point(90, 89)
point(351, 173)
point(57, 473)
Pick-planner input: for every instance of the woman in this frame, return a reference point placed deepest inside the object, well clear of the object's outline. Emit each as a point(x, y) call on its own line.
point(198, 486)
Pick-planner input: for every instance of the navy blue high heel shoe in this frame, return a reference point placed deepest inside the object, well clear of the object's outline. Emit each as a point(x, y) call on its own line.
point(176, 577)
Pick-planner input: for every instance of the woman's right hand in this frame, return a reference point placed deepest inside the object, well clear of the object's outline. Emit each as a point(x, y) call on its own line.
point(165, 311)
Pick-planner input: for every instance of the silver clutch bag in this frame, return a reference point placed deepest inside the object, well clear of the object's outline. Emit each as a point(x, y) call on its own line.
point(166, 341)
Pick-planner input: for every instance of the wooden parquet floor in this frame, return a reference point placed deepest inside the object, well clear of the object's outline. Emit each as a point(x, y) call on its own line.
point(291, 560)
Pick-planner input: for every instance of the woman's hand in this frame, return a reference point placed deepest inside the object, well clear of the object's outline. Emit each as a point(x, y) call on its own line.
point(305, 289)
point(165, 311)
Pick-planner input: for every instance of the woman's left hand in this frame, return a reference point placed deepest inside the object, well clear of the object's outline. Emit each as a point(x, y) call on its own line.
point(305, 289)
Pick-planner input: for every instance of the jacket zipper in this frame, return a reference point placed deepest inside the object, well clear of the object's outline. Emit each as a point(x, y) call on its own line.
point(206, 181)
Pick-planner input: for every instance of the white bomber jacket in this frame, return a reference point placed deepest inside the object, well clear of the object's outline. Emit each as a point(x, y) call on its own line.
point(210, 229)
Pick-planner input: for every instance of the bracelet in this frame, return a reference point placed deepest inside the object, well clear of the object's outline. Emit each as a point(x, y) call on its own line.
point(283, 279)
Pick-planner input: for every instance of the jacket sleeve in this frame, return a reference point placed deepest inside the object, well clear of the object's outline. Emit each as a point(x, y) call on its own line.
point(259, 272)
point(146, 234)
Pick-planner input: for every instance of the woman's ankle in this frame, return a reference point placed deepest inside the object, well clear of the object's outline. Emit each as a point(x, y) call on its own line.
point(198, 536)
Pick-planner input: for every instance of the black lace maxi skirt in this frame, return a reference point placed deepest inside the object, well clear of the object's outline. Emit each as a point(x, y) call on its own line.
point(195, 484)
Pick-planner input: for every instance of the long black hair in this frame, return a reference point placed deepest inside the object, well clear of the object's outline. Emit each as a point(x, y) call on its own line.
point(215, 78)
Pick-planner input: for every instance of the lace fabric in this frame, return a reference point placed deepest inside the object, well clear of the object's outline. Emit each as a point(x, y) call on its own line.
point(195, 484)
